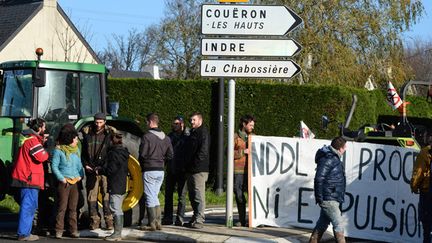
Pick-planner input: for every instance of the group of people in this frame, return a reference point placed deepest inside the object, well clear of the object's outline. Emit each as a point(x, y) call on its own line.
point(185, 155)
point(102, 161)
point(102, 157)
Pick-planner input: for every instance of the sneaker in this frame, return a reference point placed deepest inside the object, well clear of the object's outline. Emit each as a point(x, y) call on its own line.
point(59, 235)
point(28, 238)
point(194, 225)
point(75, 234)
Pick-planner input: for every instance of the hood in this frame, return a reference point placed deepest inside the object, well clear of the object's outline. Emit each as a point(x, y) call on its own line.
point(161, 135)
point(120, 149)
point(323, 152)
point(28, 132)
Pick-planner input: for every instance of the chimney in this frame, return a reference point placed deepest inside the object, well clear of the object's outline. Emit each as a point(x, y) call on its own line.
point(50, 3)
point(153, 70)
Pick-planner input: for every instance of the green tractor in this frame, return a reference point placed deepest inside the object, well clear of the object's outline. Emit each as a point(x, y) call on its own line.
point(389, 130)
point(60, 93)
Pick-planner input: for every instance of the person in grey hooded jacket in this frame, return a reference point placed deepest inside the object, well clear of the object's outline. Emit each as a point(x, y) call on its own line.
point(154, 150)
point(329, 187)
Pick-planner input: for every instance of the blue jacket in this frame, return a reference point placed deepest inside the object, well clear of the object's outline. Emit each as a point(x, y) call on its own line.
point(66, 168)
point(329, 182)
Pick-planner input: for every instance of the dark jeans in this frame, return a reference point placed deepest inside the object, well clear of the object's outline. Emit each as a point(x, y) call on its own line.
point(425, 214)
point(173, 180)
point(240, 189)
point(67, 199)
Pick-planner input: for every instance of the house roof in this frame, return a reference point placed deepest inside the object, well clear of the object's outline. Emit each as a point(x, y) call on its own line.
point(15, 14)
point(115, 73)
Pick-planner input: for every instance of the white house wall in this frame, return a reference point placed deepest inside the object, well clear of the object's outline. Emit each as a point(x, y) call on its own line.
point(50, 31)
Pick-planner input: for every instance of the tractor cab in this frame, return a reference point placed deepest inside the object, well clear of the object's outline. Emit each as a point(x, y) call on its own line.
point(58, 92)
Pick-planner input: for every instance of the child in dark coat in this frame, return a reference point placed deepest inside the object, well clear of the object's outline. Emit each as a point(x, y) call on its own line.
point(116, 170)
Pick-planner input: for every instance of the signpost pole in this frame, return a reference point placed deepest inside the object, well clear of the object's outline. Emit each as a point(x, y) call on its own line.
point(230, 153)
point(220, 139)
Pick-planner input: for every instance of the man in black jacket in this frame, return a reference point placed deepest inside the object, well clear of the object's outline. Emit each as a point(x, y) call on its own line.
point(175, 173)
point(155, 150)
point(329, 187)
point(197, 168)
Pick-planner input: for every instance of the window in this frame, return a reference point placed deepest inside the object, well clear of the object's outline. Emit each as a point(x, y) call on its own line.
point(90, 95)
point(17, 93)
point(57, 101)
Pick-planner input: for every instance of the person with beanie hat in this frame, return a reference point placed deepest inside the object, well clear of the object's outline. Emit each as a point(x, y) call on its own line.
point(96, 140)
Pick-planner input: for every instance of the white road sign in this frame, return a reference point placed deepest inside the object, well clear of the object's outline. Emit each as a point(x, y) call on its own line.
point(249, 47)
point(249, 68)
point(247, 19)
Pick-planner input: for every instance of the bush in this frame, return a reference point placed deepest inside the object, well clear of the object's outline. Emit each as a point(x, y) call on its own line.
point(278, 107)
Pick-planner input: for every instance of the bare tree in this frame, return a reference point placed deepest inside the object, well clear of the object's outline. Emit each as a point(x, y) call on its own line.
point(148, 47)
point(178, 39)
point(70, 42)
point(418, 55)
point(124, 52)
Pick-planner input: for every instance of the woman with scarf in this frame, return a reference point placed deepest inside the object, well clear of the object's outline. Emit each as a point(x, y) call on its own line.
point(68, 169)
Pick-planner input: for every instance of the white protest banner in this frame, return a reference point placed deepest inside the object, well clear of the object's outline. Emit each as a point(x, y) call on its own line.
point(378, 202)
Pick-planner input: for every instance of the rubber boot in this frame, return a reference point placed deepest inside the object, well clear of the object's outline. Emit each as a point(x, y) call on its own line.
point(118, 227)
point(94, 217)
point(316, 236)
point(151, 226)
point(339, 236)
point(109, 225)
point(158, 218)
point(109, 222)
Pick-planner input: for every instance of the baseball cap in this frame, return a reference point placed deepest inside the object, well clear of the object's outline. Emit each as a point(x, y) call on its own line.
point(179, 117)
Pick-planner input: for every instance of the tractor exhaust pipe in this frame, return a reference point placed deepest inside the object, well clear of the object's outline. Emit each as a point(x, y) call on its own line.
point(351, 112)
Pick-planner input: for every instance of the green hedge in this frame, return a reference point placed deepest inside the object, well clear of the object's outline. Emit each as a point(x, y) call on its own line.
point(278, 107)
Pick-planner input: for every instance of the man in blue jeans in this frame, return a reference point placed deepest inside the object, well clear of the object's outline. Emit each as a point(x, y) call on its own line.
point(154, 151)
point(329, 186)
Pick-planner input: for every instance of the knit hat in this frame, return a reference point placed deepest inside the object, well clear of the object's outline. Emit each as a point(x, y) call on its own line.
point(100, 116)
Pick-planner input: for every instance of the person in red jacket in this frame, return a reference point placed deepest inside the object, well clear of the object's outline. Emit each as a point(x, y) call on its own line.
point(28, 174)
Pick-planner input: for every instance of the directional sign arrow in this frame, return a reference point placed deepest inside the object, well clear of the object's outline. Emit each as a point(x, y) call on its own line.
point(249, 47)
point(247, 20)
point(249, 68)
